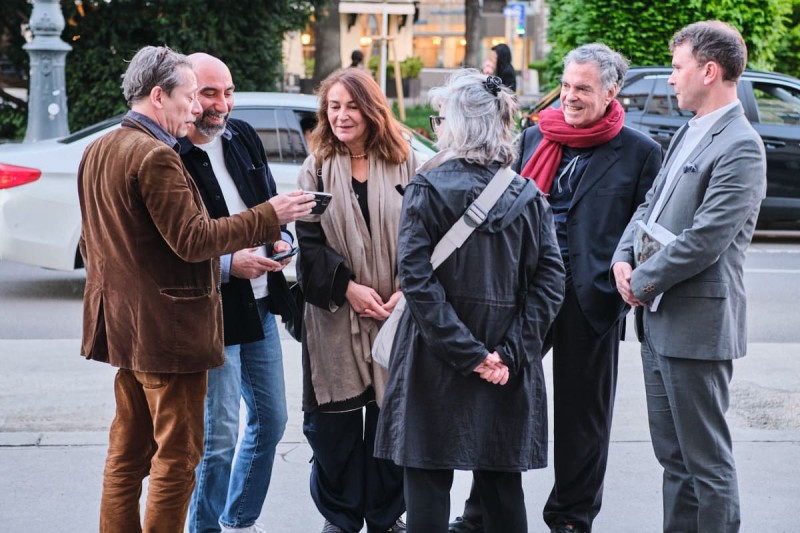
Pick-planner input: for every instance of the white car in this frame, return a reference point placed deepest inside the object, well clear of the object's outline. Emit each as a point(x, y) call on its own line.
point(40, 220)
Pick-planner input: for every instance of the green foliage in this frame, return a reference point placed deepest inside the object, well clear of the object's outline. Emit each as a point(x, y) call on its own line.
point(762, 23)
point(13, 13)
point(308, 67)
point(544, 72)
point(13, 122)
point(410, 67)
point(640, 30)
point(13, 118)
point(246, 34)
point(787, 57)
point(417, 118)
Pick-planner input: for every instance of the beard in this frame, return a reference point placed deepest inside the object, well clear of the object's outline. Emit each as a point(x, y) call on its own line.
point(211, 130)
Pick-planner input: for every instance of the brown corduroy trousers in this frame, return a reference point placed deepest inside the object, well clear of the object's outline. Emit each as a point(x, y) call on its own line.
point(157, 431)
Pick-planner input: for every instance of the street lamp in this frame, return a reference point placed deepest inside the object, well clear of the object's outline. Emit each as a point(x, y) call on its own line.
point(47, 94)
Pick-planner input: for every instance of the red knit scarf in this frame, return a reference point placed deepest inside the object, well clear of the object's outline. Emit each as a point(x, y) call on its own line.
point(543, 164)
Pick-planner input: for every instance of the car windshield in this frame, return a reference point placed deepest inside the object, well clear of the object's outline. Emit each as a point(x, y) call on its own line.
point(94, 128)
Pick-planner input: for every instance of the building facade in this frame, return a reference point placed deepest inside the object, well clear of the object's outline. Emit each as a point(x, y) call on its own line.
point(432, 30)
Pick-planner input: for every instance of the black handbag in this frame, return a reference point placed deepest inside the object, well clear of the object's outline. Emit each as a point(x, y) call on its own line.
point(294, 324)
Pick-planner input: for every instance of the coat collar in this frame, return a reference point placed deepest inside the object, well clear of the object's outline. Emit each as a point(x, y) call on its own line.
point(690, 166)
point(134, 118)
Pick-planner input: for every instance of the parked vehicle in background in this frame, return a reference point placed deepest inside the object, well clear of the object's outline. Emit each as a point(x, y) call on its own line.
point(40, 219)
point(772, 104)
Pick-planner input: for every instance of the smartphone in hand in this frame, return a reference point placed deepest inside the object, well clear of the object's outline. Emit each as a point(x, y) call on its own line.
point(283, 255)
point(322, 200)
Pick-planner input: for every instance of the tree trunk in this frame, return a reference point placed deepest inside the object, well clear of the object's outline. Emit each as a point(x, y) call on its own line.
point(327, 51)
point(472, 14)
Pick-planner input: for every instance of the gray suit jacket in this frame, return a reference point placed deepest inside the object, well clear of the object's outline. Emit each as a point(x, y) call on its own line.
point(712, 206)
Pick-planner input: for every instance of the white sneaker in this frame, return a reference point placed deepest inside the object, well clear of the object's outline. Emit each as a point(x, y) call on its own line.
point(255, 528)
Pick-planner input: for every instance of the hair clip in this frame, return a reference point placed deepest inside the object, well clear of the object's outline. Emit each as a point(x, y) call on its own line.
point(689, 168)
point(493, 84)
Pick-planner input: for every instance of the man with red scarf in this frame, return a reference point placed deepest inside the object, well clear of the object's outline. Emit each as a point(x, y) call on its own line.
point(595, 172)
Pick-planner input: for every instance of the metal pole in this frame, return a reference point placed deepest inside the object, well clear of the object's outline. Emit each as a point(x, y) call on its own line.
point(47, 95)
point(384, 36)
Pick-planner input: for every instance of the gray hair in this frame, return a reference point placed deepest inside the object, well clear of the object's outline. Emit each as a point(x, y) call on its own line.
point(478, 124)
point(612, 65)
point(153, 66)
point(713, 40)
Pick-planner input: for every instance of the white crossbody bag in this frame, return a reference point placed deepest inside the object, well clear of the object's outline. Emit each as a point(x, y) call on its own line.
point(456, 236)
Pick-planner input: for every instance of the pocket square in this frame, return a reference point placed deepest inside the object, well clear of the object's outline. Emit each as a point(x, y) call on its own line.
point(689, 168)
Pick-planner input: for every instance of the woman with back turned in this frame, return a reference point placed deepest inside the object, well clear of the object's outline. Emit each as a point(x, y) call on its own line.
point(466, 386)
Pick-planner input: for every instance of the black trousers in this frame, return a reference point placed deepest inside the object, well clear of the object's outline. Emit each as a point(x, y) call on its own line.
point(428, 500)
point(584, 385)
point(349, 485)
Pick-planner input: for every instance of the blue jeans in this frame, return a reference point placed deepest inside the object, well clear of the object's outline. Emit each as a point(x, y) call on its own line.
point(233, 494)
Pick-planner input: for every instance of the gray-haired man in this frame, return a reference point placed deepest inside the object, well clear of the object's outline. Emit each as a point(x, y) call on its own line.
point(152, 303)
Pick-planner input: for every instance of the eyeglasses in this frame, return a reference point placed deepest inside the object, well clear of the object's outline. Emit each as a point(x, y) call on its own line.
point(436, 121)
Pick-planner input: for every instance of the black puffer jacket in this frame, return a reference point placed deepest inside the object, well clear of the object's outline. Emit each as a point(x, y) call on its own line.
point(499, 291)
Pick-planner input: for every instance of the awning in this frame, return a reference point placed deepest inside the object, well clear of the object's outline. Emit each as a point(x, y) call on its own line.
point(392, 8)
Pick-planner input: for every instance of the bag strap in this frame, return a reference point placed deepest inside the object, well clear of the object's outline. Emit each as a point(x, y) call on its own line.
point(473, 217)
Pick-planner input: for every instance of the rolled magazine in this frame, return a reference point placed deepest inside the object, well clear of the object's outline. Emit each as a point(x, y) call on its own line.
point(648, 241)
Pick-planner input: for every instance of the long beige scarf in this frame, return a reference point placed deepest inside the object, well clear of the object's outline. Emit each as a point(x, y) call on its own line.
point(339, 341)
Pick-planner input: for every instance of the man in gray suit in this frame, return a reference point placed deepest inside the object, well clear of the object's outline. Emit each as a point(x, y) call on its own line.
point(707, 194)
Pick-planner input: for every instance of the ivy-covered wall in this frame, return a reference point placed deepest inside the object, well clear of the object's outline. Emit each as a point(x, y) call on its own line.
point(246, 34)
point(641, 29)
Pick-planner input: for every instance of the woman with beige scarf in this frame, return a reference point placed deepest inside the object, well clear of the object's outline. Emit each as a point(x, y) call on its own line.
point(347, 269)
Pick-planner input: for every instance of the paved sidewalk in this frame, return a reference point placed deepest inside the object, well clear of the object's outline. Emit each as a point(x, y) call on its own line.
point(55, 409)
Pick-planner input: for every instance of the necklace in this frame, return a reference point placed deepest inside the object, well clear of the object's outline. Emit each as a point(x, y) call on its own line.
point(362, 156)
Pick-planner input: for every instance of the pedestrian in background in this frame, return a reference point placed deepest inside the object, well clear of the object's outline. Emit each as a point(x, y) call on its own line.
point(357, 59)
point(708, 195)
point(348, 272)
point(227, 162)
point(503, 67)
point(151, 303)
point(466, 387)
point(595, 172)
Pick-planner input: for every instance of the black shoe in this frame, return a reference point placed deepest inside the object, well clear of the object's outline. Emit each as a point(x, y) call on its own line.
point(566, 528)
point(398, 527)
point(465, 525)
point(331, 528)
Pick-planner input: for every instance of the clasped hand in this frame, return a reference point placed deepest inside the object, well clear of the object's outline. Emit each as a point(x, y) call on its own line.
point(368, 303)
point(493, 370)
point(622, 277)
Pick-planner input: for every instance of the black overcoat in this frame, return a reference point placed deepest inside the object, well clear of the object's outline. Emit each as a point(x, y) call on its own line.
point(499, 291)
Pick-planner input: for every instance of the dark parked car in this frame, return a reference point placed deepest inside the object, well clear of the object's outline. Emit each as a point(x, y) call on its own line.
point(772, 104)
